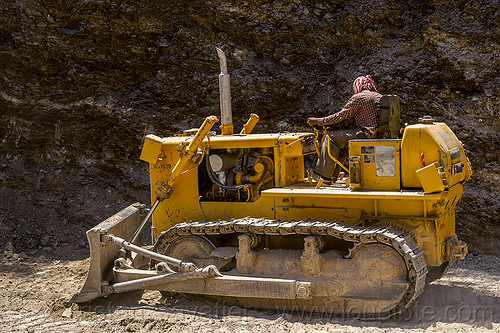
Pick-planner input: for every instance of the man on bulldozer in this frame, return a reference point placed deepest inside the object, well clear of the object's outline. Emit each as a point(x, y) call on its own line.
point(363, 106)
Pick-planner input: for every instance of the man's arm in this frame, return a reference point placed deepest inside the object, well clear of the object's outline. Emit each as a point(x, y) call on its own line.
point(347, 112)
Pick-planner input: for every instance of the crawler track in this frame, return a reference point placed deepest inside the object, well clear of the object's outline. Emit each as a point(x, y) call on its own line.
point(399, 241)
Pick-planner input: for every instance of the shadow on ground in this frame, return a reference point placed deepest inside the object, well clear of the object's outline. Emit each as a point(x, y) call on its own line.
point(439, 303)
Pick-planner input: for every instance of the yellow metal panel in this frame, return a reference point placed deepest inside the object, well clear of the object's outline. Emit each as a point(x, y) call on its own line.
point(241, 140)
point(293, 170)
point(290, 161)
point(263, 207)
point(430, 179)
point(183, 205)
point(424, 144)
point(151, 148)
point(370, 203)
point(341, 192)
point(380, 163)
point(286, 213)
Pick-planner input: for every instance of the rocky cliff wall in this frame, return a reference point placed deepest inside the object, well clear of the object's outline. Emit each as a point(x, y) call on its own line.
point(83, 81)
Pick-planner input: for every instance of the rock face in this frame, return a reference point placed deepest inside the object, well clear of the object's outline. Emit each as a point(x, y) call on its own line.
point(83, 81)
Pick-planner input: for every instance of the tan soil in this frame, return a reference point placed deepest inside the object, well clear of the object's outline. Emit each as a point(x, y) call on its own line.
point(34, 292)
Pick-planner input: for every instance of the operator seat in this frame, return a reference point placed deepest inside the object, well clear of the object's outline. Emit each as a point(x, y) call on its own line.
point(388, 117)
point(388, 127)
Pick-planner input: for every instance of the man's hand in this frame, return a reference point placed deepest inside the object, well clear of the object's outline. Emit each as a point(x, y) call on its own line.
point(313, 121)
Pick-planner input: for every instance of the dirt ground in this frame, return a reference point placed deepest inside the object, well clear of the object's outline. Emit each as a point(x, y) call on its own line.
point(34, 292)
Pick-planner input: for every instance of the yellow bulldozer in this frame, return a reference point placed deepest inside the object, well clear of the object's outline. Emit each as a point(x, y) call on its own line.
point(236, 217)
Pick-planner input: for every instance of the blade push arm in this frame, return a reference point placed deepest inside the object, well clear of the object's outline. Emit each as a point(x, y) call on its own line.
point(186, 158)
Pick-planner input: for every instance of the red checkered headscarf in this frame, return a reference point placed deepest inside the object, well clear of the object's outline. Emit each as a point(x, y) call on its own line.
point(363, 83)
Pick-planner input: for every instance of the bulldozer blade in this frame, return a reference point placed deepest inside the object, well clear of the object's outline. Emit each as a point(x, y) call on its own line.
point(103, 254)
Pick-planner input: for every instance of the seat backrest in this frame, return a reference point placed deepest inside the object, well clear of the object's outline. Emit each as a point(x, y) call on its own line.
point(388, 117)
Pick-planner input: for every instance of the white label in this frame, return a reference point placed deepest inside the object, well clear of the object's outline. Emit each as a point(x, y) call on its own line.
point(385, 161)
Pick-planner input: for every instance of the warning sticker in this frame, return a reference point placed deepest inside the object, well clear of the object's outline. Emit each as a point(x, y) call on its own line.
point(367, 149)
point(369, 158)
point(457, 168)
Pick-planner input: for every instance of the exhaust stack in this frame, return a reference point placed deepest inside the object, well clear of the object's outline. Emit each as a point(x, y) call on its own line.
point(225, 95)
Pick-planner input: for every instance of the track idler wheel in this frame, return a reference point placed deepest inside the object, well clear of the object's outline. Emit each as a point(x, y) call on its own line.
point(190, 248)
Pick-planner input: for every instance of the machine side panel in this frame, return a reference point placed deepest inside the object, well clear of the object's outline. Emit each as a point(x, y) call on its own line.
point(215, 210)
point(380, 163)
point(424, 144)
point(184, 204)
